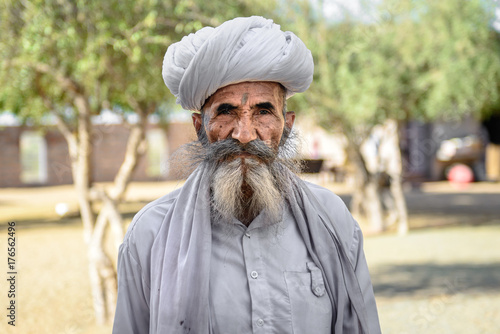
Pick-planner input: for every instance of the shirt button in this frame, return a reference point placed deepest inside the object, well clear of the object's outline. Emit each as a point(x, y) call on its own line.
point(254, 274)
point(260, 322)
point(247, 234)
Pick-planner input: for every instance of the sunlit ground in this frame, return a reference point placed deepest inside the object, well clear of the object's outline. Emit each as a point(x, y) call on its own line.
point(438, 280)
point(435, 280)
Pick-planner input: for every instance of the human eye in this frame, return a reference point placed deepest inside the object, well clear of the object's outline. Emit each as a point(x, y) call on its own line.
point(265, 108)
point(225, 109)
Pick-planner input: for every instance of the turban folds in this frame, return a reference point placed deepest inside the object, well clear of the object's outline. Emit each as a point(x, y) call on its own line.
point(242, 49)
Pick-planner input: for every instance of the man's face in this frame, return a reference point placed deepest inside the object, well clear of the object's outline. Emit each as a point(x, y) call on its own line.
point(246, 111)
point(244, 125)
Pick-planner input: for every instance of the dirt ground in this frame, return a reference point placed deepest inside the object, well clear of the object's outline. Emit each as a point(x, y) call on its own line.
point(441, 280)
point(444, 277)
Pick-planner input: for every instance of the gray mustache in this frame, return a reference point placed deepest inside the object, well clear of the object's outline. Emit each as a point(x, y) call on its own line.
point(226, 148)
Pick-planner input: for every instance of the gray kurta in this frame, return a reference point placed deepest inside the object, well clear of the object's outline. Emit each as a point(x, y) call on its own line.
point(141, 308)
point(260, 281)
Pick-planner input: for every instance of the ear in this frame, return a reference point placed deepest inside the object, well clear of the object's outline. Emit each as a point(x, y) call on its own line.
point(289, 119)
point(197, 123)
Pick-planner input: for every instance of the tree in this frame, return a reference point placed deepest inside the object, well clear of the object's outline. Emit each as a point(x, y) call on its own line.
point(407, 60)
point(73, 59)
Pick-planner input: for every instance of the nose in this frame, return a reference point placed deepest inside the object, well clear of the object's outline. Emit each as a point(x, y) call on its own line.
point(244, 131)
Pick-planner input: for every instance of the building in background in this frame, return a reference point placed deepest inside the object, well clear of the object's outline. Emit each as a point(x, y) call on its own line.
point(31, 156)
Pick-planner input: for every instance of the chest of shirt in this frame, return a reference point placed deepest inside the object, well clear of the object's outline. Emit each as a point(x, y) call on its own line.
point(262, 280)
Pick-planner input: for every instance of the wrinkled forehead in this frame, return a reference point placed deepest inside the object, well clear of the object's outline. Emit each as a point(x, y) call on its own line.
point(243, 92)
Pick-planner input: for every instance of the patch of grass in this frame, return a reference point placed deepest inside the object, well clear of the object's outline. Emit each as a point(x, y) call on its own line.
point(53, 289)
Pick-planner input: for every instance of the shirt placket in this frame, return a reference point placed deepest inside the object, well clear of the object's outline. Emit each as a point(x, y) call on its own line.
point(257, 280)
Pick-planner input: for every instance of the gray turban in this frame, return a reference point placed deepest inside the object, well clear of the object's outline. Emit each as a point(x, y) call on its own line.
point(242, 49)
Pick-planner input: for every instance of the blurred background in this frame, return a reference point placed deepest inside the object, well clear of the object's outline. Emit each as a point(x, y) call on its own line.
point(402, 121)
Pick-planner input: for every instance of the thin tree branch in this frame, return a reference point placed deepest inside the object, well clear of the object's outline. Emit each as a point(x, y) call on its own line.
point(66, 82)
point(135, 148)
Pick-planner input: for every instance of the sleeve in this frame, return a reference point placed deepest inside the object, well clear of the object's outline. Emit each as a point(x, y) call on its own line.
point(357, 256)
point(132, 309)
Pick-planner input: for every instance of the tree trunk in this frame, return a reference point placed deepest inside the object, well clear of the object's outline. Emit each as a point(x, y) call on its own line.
point(393, 166)
point(357, 195)
point(372, 204)
point(93, 231)
point(136, 147)
point(379, 201)
point(102, 272)
point(366, 200)
point(400, 202)
point(82, 162)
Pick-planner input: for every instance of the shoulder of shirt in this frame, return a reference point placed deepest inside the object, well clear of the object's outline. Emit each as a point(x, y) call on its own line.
point(325, 196)
point(147, 222)
point(344, 224)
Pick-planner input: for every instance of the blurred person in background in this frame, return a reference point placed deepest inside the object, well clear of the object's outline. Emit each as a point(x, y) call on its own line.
point(244, 245)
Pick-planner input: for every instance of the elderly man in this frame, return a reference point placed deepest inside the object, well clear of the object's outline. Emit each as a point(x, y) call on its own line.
point(244, 246)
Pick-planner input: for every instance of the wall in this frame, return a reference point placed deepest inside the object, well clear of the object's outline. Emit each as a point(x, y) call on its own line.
point(109, 149)
point(10, 160)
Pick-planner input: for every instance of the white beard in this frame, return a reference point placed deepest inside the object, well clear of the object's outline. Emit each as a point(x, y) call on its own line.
point(229, 200)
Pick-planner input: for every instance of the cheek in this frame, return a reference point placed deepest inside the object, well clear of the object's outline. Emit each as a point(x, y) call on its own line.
point(271, 132)
point(217, 131)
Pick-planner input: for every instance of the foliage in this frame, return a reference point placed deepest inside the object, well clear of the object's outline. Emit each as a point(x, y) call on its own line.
point(413, 59)
point(112, 51)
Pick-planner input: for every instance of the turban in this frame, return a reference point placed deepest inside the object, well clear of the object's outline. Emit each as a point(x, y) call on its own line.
point(242, 49)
